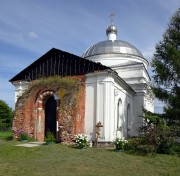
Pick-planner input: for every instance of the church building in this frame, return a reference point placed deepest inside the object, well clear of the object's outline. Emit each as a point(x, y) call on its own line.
point(67, 94)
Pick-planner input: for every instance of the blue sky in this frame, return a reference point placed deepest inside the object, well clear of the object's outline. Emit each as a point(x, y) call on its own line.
point(28, 29)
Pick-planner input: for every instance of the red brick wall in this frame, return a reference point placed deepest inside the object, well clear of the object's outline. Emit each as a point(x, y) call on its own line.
point(30, 114)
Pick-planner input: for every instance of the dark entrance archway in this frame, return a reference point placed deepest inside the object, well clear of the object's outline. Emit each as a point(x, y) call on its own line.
point(50, 115)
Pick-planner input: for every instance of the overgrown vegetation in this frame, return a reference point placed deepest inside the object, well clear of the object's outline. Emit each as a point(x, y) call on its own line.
point(49, 137)
point(156, 137)
point(68, 86)
point(6, 115)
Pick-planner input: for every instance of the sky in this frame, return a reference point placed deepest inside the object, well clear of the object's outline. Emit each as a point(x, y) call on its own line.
point(29, 29)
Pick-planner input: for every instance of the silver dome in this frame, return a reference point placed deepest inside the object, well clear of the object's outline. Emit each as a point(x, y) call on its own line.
point(111, 29)
point(112, 47)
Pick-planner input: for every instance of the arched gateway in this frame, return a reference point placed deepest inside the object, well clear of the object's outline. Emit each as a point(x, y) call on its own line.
point(46, 115)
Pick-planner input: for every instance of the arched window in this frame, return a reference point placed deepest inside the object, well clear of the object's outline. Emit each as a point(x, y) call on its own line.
point(119, 114)
point(128, 122)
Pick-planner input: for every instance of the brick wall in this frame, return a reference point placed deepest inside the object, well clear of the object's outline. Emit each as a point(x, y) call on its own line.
point(30, 113)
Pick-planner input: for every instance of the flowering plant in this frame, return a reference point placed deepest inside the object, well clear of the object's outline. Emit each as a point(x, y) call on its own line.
point(81, 140)
point(120, 143)
point(22, 135)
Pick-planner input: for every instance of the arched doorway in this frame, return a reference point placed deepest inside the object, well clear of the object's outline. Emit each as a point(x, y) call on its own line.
point(50, 115)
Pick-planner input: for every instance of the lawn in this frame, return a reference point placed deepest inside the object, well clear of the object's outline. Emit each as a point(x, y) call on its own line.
point(6, 135)
point(58, 159)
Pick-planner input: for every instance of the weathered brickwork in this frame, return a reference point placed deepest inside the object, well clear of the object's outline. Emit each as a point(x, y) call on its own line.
point(30, 113)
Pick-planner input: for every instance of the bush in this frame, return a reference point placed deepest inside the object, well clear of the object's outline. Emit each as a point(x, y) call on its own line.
point(146, 149)
point(120, 143)
point(133, 144)
point(21, 135)
point(49, 137)
point(81, 140)
point(156, 137)
point(137, 145)
point(161, 137)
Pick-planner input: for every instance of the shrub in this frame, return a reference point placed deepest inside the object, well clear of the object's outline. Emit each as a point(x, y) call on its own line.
point(161, 137)
point(139, 146)
point(146, 149)
point(120, 143)
point(156, 137)
point(21, 135)
point(133, 143)
point(81, 140)
point(49, 137)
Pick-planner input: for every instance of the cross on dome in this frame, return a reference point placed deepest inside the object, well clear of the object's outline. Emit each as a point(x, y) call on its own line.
point(111, 16)
point(111, 31)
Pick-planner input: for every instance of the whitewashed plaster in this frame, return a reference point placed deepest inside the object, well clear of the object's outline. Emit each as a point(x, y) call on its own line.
point(103, 91)
point(20, 87)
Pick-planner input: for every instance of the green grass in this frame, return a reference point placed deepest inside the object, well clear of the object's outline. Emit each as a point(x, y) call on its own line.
point(58, 159)
point(6, 135)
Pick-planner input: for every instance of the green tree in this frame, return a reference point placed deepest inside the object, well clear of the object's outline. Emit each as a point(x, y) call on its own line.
point(166, 68)
point(6, 115)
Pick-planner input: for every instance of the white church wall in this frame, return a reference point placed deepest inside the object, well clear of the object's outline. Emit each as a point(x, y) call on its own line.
point(149, 100)
point(117, 59)
point(133, 73)
point(124, 127)
point(103, 92)
point(90, 107)
point(20, 87)
point(138, 112)
point(101, 108)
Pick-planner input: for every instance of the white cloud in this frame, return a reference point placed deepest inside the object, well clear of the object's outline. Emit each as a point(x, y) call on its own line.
point(33, 35)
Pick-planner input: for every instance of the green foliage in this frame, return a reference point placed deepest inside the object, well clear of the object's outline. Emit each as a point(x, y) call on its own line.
point(23, 136)
point(120, 144)
point(49, 137)
point(152, 118)
point(161, 137)
point(6, 135)
point(56, 82)
point(137, 145)
point(6, 115)
point(81, 140)
point(157, 137)
point(69, 86)
point(166, 65)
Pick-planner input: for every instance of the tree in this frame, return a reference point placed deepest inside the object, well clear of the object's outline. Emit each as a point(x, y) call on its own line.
point(166, 68)
point(6, 115)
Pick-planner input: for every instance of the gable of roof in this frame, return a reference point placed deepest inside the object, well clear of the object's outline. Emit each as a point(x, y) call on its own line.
point(58, 63)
